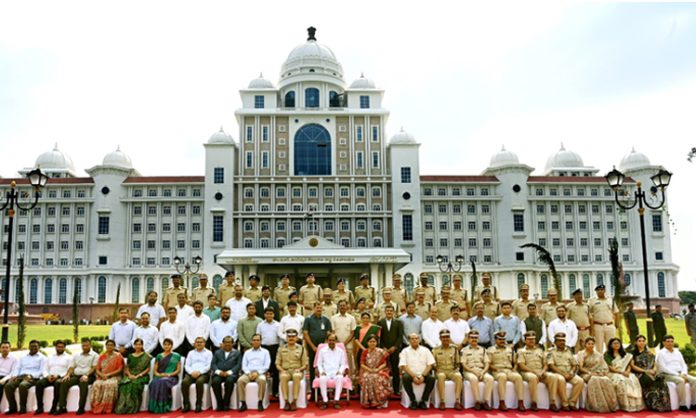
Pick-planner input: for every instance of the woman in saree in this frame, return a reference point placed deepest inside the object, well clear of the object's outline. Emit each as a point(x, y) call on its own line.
point(654, 387)
point(135, 376)
point(375, 382)
point(601, 396)
point(626, 384)
point(166, 376)
point(363, 331)
point(108, 372)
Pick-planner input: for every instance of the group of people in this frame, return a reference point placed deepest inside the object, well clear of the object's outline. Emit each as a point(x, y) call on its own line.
point(233, 336)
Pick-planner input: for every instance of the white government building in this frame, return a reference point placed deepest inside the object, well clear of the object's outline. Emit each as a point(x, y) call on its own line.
point(314, 183)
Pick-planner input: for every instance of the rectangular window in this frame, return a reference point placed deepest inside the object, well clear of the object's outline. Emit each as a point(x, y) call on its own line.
point(657, 223)
point(407, 227)
point(103, 225)
point(659, 256)
point(217, 228)
point(364, 102)
point(518, 222)
point(258, 102)
point(405, 174)
point(375, 133)
point(375, 159)
point(358, 133)
point(359, 161)
point(218, 175)
point(265, 160)
point(249, 134)
point(264, 134)
point(249, 159)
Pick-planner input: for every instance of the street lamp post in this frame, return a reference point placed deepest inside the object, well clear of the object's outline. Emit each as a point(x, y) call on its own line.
point(661, 180)
point(449, 268)
point(188, 269)
point(38, 180)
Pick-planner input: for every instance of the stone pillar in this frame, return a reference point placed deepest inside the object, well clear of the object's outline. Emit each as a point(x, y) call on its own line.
point(388, 273)
point(377, 281)
point(239, 272)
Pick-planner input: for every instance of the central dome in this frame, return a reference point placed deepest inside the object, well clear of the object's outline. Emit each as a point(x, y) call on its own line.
point(55, 160)
point(118, 159)
point(564, 159)
point(311, 61)
point(503, 158)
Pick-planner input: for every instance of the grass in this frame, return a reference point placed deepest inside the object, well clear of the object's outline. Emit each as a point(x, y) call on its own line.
point(674, 327)
point(57, 332)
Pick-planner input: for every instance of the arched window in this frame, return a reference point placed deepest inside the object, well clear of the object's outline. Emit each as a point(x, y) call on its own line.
point(600, 279)
point(520, 281)
point(290, 99)
point(34, 290)
point(312, 151)
point(150, 284)
point(544, 285)
point(48, 291)
point(63, 290)
point(77, 288)
point(408, 283)
point(217, 281)
point(572, 283)
point(135, 290)
point(311, 97)
point(627, 279)
point(194, 282)
point(334, 99)
point(16, 293)
point(164, 285)
point(661, 285)
point(446, 281)
point(586, 284)
point(101, 289)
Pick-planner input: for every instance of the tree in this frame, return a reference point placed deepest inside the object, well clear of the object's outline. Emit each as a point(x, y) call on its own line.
point(76, 312)
point(114, 316)
point(617, 280)
point(545, 258)
point(687, 296)
point(691, 154)
point(22, 309)
point(474, 280)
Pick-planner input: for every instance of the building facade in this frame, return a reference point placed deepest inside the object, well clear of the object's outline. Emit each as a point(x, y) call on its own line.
point(313, 160)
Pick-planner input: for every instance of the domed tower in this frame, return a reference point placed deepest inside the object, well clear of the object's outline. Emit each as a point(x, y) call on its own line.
point(567, 163)
point(54, 163)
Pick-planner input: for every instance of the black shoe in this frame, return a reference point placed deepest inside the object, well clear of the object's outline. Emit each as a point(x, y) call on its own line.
point(242, 406)
point(198, 409)
point(413, 406)
point(80, 411)
point(693, 407)
point(22, 411)
point(684, 408)
point(422, 405)
point(185, 408)
point(260, 408)
point(11, 412)
point(38, 411)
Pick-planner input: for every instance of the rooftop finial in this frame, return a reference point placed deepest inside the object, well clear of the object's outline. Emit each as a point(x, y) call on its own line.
point(55, 146)
point(261, 75)
point(221, 130)
point(562, 147)
point(503, 148)
point(310, 33)
point(362, 75)
point(402, 129)
point(633, 149)
point(118, 148)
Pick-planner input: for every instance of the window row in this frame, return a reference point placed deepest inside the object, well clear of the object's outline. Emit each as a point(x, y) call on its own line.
point(52, 210)
point(455, 191)
point(167, 192)
point(443, 208)
point(312, 191)
point(166, 209)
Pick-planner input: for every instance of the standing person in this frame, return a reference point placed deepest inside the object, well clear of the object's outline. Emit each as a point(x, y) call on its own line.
point(269, 331)
point(412, 322)
point(422, 307)
point(375, 384)
point(291, 363)
point(165, 377)
point(290, 321)
point(431, 329)
point(57, 367)
point(171, 295)
point(475, 364)
point(531, 363)
point(122, 332)
point(519, 306)
point(332, 366)
point(220, 328)
point(392, 335)
point(26, 374)
point(366, 291)
point(196, 372)
point(282, 293)
point(212, 311)
point(653, 385)
point(379, 311)
point(626, 384)
point(7, 365)
point(604, 317)
point(398, 293)
point(156, 311)
point(328, 308)
point(299, 308)
point(174, 330)
point(460, 296)
point(105, 388)
point(227, 362)
point(508, 323)
point(491, 307)
point(136, 374)
point(534, 323)
point(548, 310)
point(458, 328)
point(564, 325)
point(447, 368)
point(310, 293)
point(226, 289)
point(363, 331)
point(428, 291)
point(601, 396)
point(343, 326)
point(690, 323)
point(579, 312)
point(147, 334)
point(255, 363)
point(503, 370)
point(266, 302)
point(658, 320)
point(482, 324)
point(445, 304)
point(183, 310)
point(253, 292)
point(197, 326)
point(563, 364)
point(486, 284)
point(359, 309)
point(671, 365)
point(238, 304)
point(316, 329)
point(201, 293)
point(246, 327)
point(343, 294)
point(81, 373)
point(416, 362)
point(631, 323)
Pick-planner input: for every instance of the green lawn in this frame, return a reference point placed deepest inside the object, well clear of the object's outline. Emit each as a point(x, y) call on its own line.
point(56, 332)
point(674, 327)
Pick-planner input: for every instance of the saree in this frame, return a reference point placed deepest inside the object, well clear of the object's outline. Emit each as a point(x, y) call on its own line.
point(375, 388)
point(361, 334)
point(130, 391)
point(628, 390)
point(601, 396)
point(105, 391)
point(161, 387)
point(655, 391)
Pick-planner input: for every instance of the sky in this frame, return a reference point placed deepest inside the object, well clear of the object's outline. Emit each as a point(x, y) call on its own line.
point(157, 78)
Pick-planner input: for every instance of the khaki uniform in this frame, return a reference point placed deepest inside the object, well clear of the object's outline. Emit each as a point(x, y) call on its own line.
point(519, 308)
point(347, 296)
point(282, 296)
point(502, 369)
point(548, 312)
point(476, 359)
point(602, 313)
point(565, 362)
point(429, 293)
point(447, 365)
point(399, 297)
point(580, 314)
point(443, 309)
point(380, 311)
point(202, 294)
point(368, 293)
point(423, 310)
point(535, 360)
point(290, 361)
point(491, 310)
point(225, 293)
point(479, 289)
point(171, 295)
point(308, 296)
point(254, 295)
point(329, 310)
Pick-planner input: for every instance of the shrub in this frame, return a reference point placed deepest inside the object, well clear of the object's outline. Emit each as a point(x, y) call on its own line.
point(97, 347)
point(43, 343)
point(689, 354)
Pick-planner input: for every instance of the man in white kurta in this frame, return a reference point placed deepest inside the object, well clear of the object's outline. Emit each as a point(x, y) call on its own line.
point(458, 328)
point(431, 328)
point(198, 325)
point(565, 325)
point(332, 366)
point(173, 329)
point(238, 304)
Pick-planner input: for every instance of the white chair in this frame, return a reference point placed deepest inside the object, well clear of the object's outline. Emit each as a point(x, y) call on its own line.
point(31, 401)
point(252, 396)
point(450, 398)
point(417, 391)
point(510, 395)
point(73, 401)
point(233, 398)
point(674, 398)
point(205, 403)
point(301, 402)
point(468, 395)
point(542, 395)
point(176, 389)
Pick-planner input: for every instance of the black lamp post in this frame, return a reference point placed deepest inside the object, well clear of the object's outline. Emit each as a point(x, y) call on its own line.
point(449, 268)
point(661, 180)
point(38, 180)
point(188, 269)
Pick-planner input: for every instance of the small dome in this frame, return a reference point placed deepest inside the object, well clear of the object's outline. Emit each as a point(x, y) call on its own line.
point(402, 137)
point(503, 158)
point(362, 83)
point(564, 159)
point(55, 160)
point(634, 160)
point(260, 83)
point(311, 61)
point(118, 159)
point(221, 137)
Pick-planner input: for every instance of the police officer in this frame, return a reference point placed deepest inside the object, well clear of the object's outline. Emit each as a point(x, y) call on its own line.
point(548, 309)
point(579, 312)
point(531, 363)
point(564, 366)
point(366, 291)
point(447, 368)
point(459, 295)
point(422, 307)
point(475, 364)
point(343, 294)
point(281, 294)
point(503, 369)
point(291, 363)
point(602, 315)
point(519, 306)
point(445, 304)
point(310, 293)
point(171, 295)
point(491, 308)
point(226, 289)
point(253, 292)
point(486, 280)
point(398, 293)
point(202, 292)
point(428, 291)
point(380, 309)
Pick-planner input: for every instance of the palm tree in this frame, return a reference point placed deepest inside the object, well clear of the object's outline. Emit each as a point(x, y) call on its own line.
point(544, 257)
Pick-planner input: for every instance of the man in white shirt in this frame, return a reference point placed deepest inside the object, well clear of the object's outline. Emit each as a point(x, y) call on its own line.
point(458, 328)
point(174, 330)
point(183, 309)
point(122, 333)
point(268, 330)
point(431, 329)
point(290, 321)
point(332, 366)
point(147, 333)
point(255, 364)
point(156, 311)
point(565, 325)
point(81, 373)
point(671, 365)
point(196, 368)
point(57, 367)
point(343, 324)
point(220, 328)
point(198, 325)
point(238, 303)
point(7, 365)
point(416, 362)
